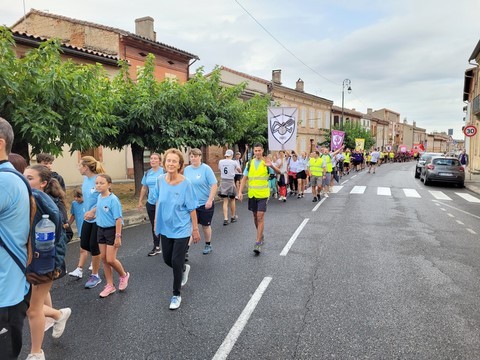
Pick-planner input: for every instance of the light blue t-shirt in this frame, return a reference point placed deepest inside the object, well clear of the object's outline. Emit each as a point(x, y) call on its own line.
point(14, 229)
point(90, 194)
point(256, 163)
point(175, 203)
point(109, 209)
point(202, 179)
point(78, 211)
point(150, 180)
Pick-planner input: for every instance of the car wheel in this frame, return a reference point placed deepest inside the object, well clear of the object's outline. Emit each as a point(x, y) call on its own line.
point(461, 185)
point(426, 181)
point(417, 174)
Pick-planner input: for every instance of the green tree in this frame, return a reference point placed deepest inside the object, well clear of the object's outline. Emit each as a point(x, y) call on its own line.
point(51, 102)
point(352, 132)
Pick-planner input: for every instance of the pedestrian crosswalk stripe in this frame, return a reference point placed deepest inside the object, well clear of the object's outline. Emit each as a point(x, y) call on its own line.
point(358, 190)
point(468, 197)
point(411, 193)
point(384, 191)
point(336, 189)
point(439, 195)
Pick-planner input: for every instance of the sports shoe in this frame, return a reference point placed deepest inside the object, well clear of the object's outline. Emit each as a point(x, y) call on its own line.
point(48, 323)
point(314, 199)
point(124, 281)
point(185, 276)
point(234, 219)
point(257, 248)
point(155, 251)
point(36, 356)
point(107, 290)
point(326, 195)
point(78, 273)
point(93, 281)
point(59, 326)
point(175, 302)
point(207, 250)
point(318, 197)
point(225, 222)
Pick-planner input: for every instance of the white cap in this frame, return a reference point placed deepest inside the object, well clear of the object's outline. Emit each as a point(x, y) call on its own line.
point(229, 152)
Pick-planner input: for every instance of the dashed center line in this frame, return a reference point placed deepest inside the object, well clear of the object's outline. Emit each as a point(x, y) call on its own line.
point(470, 231)
point(293, 238)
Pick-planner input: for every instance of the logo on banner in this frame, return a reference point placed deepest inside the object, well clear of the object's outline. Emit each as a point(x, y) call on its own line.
point(337, 139)
point(282, 128)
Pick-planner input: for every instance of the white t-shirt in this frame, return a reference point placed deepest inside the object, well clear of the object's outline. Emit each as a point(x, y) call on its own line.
point(228, 169)
point(374, 156)
point(282, 165)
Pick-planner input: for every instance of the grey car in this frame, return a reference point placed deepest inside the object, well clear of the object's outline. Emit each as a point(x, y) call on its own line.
point(443, 169)
point(421, 162)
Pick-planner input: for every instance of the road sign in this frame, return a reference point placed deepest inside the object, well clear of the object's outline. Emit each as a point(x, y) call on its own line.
point(470, 130)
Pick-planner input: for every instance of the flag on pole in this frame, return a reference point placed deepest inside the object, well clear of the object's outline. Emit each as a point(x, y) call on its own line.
point(359, 144)
point(336, 141)
point(282, 128)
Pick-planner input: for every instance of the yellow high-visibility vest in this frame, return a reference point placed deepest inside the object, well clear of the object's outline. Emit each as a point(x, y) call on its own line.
point(329, 163)
point(347, 158)
point(258, 181)
point(315, 166)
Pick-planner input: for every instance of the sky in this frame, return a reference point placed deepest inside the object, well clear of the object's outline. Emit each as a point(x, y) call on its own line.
point(409, 56)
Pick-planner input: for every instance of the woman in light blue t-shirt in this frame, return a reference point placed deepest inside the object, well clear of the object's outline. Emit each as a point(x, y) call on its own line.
point(149, 188)
point(176, 220)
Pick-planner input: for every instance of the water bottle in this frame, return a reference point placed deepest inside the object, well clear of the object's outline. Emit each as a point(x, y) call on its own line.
point(44, 258)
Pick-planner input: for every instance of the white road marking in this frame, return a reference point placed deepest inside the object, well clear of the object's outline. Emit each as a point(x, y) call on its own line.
point(336, 189)
point(318, 205)
point(344, 182)
point(439, 195)
point(459, 222)
point(462, 211)
point(468, 197)
point(293, 238)
point(384, 191)
point(471, 231)
point(358, 190)
point(443, 209)
point(451, 215)
point(411, 193)
point(236, 330)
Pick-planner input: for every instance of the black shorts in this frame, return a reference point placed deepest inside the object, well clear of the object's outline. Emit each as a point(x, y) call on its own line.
point(302, 175)
point(106, 235)
point(238, 177)
point(205, 216)
point(255, 204)
point(88, 238)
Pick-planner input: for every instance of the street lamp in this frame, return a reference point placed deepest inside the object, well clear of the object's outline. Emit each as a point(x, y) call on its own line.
point(346, 83)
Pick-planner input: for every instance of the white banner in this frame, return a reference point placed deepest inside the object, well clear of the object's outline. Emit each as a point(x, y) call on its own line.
point(282, 128)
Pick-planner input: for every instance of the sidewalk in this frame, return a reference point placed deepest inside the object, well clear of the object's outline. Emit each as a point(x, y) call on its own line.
point(472, 182)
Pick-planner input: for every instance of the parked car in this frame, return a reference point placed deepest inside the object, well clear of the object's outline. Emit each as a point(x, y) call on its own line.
point(421, 162)
point(443, 169)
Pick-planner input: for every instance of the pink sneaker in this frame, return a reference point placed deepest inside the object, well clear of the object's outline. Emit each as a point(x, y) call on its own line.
point(107, 290)
point(123, 282)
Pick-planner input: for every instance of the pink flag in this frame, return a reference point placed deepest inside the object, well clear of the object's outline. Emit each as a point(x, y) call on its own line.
point(336, 141)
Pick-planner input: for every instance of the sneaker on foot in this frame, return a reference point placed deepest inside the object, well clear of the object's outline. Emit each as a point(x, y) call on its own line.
point(36, 356)
point(234, 219)
point(107, 290)
point(257, 248)
point(78, 273)
point(225, 222)
point(48, 322)
point(326, 195)
point(155, 251)
point(124, 281)
point(93, 281)
point(186, 256)
point(318, 197)
point(59, 326)
point(314, 199)
point(207, 250)
point(175, 302)
point(185, 275)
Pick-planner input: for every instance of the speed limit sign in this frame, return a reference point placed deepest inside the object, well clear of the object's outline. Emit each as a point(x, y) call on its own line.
point(470, 130)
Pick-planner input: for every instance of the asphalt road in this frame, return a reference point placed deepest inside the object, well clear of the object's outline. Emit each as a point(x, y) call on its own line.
point(364, 276)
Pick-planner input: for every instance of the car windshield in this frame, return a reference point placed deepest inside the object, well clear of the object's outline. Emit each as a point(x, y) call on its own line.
point(446, 162)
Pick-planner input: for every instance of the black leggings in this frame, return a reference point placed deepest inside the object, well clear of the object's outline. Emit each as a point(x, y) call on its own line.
point(293, 181)
point(173, 251)
point(151, 217)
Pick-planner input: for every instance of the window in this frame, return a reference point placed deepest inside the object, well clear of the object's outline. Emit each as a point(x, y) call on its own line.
point(303, 144)
point(327, 120)
point(312, 118)
point(303, 114)
point(320, 121)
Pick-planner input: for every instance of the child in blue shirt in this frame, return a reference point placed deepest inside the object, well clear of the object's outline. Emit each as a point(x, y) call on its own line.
point(109, 233)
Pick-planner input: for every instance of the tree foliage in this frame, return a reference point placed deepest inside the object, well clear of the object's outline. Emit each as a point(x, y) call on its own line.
point(353, 131)
point(51, 102)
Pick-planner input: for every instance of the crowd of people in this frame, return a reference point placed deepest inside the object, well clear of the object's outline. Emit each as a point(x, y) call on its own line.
point(178, 199)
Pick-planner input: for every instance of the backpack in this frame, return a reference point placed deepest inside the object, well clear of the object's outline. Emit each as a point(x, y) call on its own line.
point(40, 204)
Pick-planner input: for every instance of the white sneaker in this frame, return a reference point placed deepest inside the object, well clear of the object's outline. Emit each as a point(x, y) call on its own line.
point(36, 356)
point(175, 302)
point(59, 326)
point(90, 267)
point(185, 275)
point(78, 272)
point(49, 322)
point(326, 195)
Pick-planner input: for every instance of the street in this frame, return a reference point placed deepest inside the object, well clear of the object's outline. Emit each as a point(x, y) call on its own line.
point(385, 268)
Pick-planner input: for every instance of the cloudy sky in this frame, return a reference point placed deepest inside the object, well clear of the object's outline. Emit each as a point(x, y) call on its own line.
point(409, 56)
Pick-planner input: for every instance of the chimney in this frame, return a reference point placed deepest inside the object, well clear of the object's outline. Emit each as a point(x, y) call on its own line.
point(277, 77)
point(144, 28)
point(369, 110)
point(414, 124)
point(300, 85)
